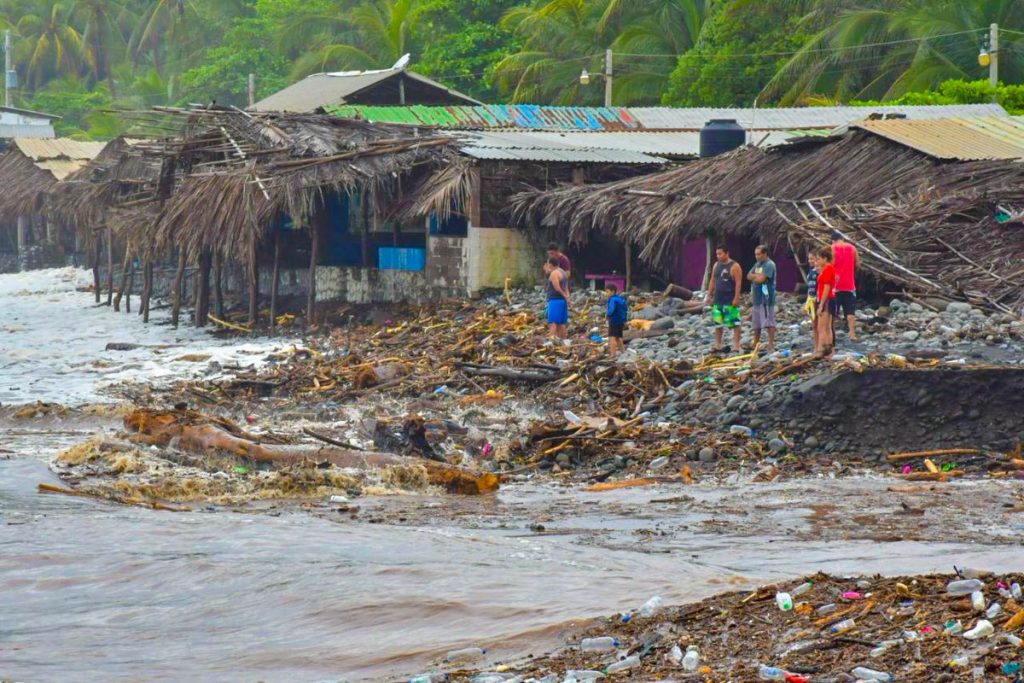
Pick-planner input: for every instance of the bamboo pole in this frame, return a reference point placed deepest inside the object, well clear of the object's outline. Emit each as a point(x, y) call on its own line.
point(218, 285)
point(96, 248)
point(110, 266)
point(147, 291)
point(128, 289)
point(179, 276)
point(254, 285)
point(203, 289)
point(124, 278)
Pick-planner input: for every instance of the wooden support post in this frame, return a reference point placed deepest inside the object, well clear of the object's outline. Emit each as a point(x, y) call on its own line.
point(179, 276)
point(124, 279)
point(96, 247)
point(254, 286)
point(365, 238)
point(22, 234)
point(218, 285)
point(629, 266)
point(147, 289)
point(128, 289)
point(314, 257)
point(203, 289)
point(275, 278)
point(110, 266)
point(709, 262)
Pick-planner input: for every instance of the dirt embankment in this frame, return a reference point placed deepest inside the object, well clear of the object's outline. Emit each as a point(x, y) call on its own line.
point(889, 409)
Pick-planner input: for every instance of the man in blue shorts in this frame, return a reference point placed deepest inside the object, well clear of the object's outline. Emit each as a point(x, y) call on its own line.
point(558, 299)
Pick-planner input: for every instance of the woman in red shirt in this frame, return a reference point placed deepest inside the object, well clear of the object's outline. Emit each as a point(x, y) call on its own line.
point(826, 302)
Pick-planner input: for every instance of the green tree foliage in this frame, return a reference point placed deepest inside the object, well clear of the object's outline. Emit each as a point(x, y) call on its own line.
point(1011, 97)
point(741, 47)
point(884, 48)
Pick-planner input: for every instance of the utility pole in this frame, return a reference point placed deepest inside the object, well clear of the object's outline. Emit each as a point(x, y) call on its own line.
point(252, 89)
point(9, 75)
point(993, 50)
point(608, 78)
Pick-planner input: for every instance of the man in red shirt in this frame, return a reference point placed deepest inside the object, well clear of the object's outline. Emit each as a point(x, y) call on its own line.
point(563, 261)
point(846, 260)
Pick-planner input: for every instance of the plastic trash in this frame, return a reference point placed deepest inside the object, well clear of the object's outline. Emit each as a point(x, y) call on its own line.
point(624, 665)
point(339, 499)
point(428, 678)
point(494, 677)
point(676, 655)
point(466, 654)
point(658, 462)
point(1015, 591)
point(843, 626)
point(692, 659)
point(601, 644)
point(962, 660)
point(651, 607)
point(441, 389)
point(826, 609)
point(572, 417)
point(771, 673)
point(583, 674)
point(784, 601)
point(741, 430)
point(796, 678)
point(964, 587)
point(983, 629)
point(953, 626)
point(866, 674)
point(993, 611)
point(852, 595)
point(978, 601)
point(1010, 668)
point(801, 589)
point(1012, 639)
point(626, 617)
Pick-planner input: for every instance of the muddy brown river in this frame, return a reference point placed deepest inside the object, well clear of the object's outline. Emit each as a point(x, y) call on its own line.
point(97, 592)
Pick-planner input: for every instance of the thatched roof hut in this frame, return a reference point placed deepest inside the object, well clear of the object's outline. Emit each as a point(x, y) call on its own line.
point(916, 218)
point(31, 167)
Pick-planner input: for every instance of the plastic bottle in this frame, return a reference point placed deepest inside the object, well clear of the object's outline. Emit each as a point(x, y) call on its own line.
point(692, 659)
point(583, 674)
point(1012, 639)
point(429, 678)
point(624, 665)
point(954, 627)
point(826, 609)
point(784, 601)
point(843, 626)
point(982, 629)
point(965, 587)
point(601, 644)
point(962, 660)
point(466, 654)
point(978, 601)
point(651, 607)
point(771, 673)
point(801, 589)
point(867, 674)
point(676, 655)
point(993, 611)
point(1015, 591)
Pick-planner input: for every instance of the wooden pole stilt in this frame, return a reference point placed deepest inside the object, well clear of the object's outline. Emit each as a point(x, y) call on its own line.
point(96, 248)
point(179, 276)
point(110, 266)
point(124, 279)
point(254, 286)
point(218, 291)
point(275, 277)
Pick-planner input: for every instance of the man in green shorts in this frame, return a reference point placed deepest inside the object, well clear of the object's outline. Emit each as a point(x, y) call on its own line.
point(724, 297)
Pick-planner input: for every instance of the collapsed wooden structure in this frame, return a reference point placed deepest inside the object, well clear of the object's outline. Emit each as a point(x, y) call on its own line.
point(944, 228)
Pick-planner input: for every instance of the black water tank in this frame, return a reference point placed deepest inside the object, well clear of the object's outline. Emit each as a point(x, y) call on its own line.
point(719, 136)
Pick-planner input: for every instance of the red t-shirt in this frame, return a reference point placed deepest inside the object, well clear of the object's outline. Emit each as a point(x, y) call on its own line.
point(564, 263)
point(844, 256)
point(827, 276)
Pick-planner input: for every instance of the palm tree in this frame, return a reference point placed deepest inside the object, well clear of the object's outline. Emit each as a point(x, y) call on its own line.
point(373, 35)
point(54, 46)
point(563, 36)
point(162, 24)
point(560, 38)
point(102, 36)
point(893, 47)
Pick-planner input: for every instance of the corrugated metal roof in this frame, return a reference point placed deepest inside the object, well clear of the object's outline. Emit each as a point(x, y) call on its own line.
point(955, 138)
point(330, 89)
point(800, 117)
point(528, 146)
point(16, 131)
point(56, 148)
point(30, 113)
point(535, 117)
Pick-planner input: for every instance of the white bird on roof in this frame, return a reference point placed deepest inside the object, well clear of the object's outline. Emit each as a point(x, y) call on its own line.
point(402, 62)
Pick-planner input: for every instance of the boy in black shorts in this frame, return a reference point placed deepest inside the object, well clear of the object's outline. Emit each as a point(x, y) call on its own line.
point(618, 314)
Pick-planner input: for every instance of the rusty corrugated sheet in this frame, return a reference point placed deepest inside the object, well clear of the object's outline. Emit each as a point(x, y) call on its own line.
point(960, 139)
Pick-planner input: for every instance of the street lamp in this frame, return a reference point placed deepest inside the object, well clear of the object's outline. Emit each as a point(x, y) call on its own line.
point(586, 77)
point(984, 58)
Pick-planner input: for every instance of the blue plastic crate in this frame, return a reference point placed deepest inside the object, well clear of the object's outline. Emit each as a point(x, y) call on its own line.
point(402, 258)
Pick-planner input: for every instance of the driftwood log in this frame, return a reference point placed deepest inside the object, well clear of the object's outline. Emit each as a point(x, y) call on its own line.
point(201, 434)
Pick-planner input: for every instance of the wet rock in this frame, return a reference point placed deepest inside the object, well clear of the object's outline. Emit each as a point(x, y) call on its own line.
point(741, 430)
point(916, 307)
point(911, 335)
point(958, 307)
point(663, 324)
point(735, 402)
point(777, 445)
point(122, 346)
point(811, 442)
point(649, 313)
point(706, 454)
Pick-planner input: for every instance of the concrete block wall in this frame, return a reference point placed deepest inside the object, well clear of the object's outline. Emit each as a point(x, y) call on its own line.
point(494, 254)
point(372, 286)
point(448, 264)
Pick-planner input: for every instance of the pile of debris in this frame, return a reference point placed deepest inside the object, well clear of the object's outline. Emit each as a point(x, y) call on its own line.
point(819, 629)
